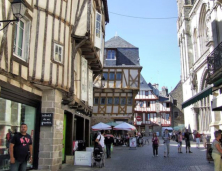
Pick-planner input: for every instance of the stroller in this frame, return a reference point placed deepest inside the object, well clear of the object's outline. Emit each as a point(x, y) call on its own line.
point(98, 156)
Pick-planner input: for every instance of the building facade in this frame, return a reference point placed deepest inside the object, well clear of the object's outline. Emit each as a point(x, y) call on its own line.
point(153, 107)
point(115, 89)
point(199, 32)
point(176, 98)
point(47, 63)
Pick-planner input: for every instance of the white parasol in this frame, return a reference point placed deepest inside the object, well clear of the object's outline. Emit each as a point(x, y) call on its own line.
point(101, 126)
point(125, 126)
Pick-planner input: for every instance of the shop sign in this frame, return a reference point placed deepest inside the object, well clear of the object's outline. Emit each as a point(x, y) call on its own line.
point(83, 158)
point(46, 119)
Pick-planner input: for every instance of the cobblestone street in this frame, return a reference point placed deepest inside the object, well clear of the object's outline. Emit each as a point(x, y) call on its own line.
point(142, 159)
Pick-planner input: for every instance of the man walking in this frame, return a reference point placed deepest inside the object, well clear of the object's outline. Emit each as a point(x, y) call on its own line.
point(187, 140)
point(20, 146)
point(197, 139)
point(108, 141)
point(166, 138)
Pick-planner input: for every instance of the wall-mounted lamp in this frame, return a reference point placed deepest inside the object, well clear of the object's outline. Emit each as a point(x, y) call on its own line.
point(18, 9)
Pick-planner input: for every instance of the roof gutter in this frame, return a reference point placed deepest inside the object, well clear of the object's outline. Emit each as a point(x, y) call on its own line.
point(106, 11)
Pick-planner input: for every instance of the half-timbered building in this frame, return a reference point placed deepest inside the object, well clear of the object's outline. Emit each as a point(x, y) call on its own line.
point(48, 60)
point(115, 89)
point(153, 107)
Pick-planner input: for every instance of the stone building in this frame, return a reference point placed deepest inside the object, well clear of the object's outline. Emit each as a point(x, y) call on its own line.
point(199, 33)
point(48, 60)
point(176, 98)
point(115, 89)
point(153, 107)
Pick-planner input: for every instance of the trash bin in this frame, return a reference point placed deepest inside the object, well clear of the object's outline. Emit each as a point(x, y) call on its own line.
point(81, 145)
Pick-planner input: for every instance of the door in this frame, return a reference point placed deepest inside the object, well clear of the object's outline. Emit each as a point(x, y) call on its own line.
point(64, 139)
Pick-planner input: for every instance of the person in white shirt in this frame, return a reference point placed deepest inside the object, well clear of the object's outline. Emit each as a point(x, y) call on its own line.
point(100, 139)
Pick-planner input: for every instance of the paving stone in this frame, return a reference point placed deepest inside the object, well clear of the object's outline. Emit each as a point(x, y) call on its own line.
point(141, 159)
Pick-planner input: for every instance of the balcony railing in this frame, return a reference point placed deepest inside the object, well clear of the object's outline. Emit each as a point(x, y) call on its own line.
point(214, 62)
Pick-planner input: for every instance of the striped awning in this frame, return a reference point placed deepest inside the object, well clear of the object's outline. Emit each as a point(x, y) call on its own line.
point(199, 96)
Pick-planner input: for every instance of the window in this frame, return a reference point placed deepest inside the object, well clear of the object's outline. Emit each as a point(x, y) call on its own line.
point(123, 101)
point(176, 114)
point(17, 113)
point(175, 102)
point(148, 116)
point(102, 100)
point(112, 76)
point(110, 101)
point(116, 100)
point(111, 54)
point(98, 24)
point(167, 105)
point(58, 53)
point(146, 93)
point(147, 104)
point(118, 76)
point(129, 101)
point(105, 75)
point(141, 103)
point(96, 101)
point(21, 39)
point(167, 117)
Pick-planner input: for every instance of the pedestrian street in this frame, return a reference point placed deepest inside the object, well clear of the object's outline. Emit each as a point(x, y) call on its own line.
point(142, 159)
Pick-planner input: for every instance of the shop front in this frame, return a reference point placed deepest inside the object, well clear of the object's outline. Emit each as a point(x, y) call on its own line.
point(18, 106)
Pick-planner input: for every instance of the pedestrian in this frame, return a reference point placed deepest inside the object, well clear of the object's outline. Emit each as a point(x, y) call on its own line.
point(109, 140)
point(197, 139)
point(8, 138)
point(187, 140)
point(217, 151)
point(204, 139)
point(166, 138)
point(155, 141)
point(100, 140)
point(180, 139)
point(20, 148)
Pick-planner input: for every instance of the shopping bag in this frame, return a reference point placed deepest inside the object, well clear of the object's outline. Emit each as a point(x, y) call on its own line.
point(111, 147)
point(105, 148)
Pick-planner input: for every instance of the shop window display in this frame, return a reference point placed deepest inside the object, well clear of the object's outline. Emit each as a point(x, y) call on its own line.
point(12, 114)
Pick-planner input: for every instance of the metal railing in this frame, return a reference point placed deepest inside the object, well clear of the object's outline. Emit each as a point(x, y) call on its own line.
point(214, 61)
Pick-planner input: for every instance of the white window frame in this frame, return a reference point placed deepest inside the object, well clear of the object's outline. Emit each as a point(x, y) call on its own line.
point(59, 46)
point(25, 41)
point(99, 29)
point(108, 54)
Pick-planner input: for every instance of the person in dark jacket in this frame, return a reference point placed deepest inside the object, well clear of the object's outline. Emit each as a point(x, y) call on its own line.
point(109, 139)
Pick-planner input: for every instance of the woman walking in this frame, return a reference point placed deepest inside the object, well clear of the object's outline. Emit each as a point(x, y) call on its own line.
point(197, 139)
point(217, 151)
point(155, 141)
point(180, 138)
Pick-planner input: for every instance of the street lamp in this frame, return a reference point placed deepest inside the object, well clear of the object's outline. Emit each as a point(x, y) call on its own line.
point(18, 9)
point(103, 81)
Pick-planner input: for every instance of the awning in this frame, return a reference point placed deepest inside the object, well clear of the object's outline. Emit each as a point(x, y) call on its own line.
point(204, 93)
point(218, 82)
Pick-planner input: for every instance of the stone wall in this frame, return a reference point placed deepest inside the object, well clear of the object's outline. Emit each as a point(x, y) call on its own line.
point(50, 145)
point(177, 94)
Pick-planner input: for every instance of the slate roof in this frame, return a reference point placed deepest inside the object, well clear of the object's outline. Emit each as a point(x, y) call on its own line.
point(126, 53)
point(163, 99)
point(155, 91)
point(118, 42)
point(143, 84)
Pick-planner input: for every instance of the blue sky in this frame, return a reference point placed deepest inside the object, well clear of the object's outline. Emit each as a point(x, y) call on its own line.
point(156, 39)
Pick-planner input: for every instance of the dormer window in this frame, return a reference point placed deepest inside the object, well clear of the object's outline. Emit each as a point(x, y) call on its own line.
point(111, 54)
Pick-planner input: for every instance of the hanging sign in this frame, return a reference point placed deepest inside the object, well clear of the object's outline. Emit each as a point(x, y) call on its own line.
point(46, 119)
